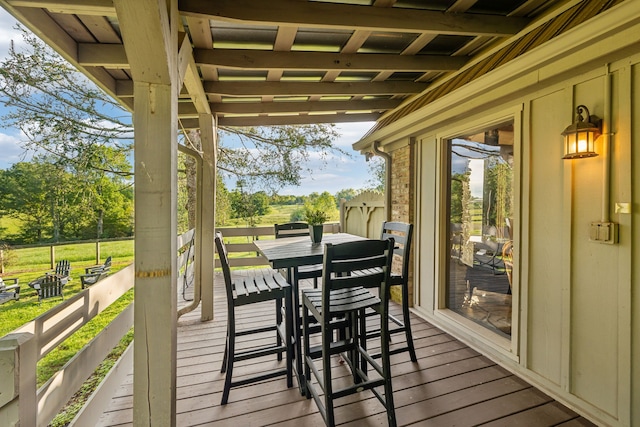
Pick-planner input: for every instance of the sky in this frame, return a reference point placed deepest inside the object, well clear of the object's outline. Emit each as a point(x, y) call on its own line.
point(340, 172)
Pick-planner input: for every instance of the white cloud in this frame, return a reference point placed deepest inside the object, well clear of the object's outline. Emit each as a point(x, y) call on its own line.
point(351, 133)
point(11, 150)
point(7, 32)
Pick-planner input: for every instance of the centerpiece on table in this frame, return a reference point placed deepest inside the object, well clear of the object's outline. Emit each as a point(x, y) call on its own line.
point(315, 218)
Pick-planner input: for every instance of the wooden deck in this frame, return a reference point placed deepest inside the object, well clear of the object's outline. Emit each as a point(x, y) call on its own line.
point(450, 385)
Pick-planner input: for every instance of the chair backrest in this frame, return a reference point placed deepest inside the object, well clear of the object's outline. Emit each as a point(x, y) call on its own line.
point(107, 262)
point(62, 268)
point(226, 270)
point(402, 233)
point(362, 263)
point(291, 229)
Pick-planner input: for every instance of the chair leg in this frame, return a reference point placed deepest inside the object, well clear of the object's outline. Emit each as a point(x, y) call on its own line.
point(288, 327)
point(278, 322)
point(386, 369)
point(223, 369)
point(326, 374)
point(407, 322)
point(362, 319)
point(307, 346)
point(231, 347)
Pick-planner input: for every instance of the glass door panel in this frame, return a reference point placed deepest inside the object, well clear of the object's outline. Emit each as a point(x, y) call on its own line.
point(480, 206)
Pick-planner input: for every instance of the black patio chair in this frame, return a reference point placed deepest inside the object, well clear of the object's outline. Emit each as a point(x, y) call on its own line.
point(251, 286)
point(402, 233)
point(296, 229)
point(337, 312)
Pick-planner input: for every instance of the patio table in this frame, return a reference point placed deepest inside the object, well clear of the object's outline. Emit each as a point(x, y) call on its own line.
point(295, 252)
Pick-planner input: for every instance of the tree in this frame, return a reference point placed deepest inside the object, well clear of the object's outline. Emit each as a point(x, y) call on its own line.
point(23, 191)
point(273, 156)
point(324, 202)
point(59, 204)
point(62, 113)
point(377, 171)
point(345, 193)
point(58, 110)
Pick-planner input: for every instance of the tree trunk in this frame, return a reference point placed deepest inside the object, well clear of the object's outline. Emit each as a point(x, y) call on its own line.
point(100, 228)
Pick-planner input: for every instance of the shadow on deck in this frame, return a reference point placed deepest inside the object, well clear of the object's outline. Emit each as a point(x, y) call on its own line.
point(450, 385)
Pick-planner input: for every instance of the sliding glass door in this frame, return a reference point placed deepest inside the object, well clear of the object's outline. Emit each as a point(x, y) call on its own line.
point(480, 218)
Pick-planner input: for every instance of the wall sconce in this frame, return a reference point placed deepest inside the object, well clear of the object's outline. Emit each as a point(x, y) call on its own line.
point(580, 136)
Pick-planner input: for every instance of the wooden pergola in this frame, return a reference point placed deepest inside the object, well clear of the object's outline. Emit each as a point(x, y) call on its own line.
point(202, 64)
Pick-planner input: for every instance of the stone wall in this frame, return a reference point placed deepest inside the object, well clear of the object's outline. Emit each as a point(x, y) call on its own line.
point(402, 201)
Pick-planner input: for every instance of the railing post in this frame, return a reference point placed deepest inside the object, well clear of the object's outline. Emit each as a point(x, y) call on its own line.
point(1, 261)
point(97, 252)
point(18, 403)
point(52, 256)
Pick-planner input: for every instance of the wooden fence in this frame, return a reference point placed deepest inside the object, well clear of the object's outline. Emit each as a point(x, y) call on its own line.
point(52, 249)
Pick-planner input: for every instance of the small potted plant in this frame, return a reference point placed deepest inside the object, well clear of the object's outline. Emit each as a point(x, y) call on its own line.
point(315, 218)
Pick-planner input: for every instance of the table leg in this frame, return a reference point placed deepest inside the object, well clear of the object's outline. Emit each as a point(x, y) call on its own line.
point(297, 329)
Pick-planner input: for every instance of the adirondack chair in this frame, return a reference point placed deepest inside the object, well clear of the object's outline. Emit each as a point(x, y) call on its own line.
point(50, 286)
point(62, 270)
point(11, 292)
point(100, 267)
point(95, 273)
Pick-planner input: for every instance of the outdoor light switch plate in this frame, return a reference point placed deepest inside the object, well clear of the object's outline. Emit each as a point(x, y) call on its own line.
point(604, 232)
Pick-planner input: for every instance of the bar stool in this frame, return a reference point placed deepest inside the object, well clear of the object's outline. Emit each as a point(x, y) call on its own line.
point(340, 306)
point(251, 286)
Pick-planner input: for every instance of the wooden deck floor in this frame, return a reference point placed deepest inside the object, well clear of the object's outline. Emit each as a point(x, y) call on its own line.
point(450, 385)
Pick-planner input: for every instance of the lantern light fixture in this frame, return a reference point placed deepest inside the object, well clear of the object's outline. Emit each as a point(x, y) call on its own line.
point(580, 136)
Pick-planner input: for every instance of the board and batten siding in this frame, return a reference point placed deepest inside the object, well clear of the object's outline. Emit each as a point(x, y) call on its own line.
point(576, 302)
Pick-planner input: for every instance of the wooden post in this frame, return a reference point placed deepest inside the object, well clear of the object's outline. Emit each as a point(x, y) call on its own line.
point(206, 221)
point(97, 252)
point(52, 256)
point(18, 404)
point(149, 31)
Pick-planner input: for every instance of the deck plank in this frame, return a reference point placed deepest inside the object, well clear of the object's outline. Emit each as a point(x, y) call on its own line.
point(450, 385)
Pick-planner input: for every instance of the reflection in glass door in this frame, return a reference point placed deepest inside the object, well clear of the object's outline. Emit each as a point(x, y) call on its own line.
point(480, 206)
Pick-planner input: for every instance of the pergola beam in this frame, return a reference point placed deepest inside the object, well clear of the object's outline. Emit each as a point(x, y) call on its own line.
point(243, 88)
point(352, 17)
point(114, 56)
point(186, 110)
point(297, 120)
point(285, 120)
point(75, 7)
point(270, 60)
